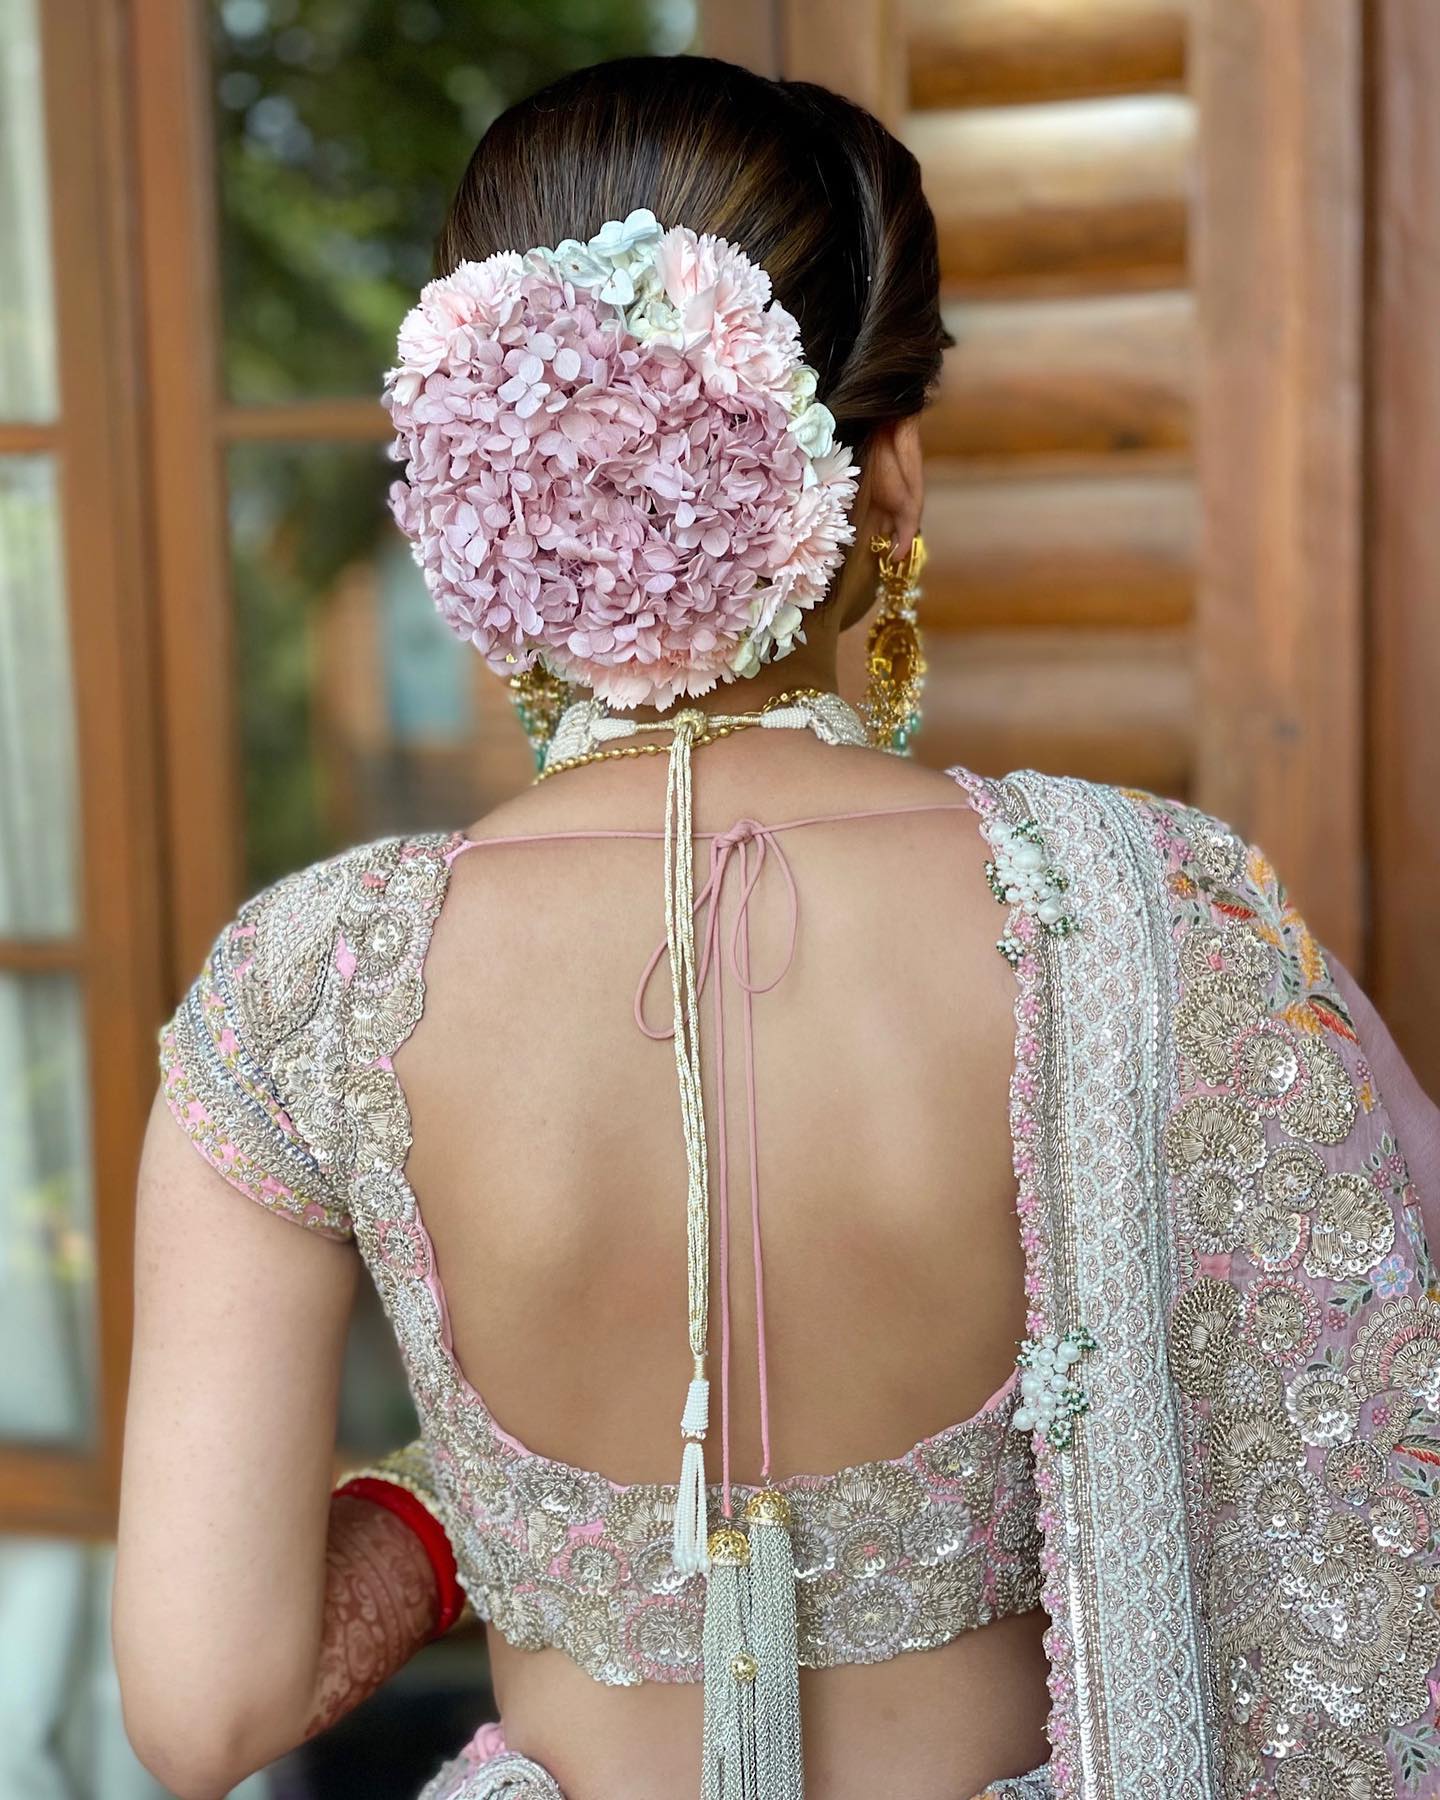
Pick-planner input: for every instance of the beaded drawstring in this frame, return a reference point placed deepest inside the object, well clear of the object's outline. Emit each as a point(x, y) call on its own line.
point(691, 1557)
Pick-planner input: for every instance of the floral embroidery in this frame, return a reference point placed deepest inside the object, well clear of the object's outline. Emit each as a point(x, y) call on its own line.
point(1335, 1765)
point(1290, 1177)
point(1219, 1131)
point(1321, 1586)
point(1392, 1278)
point(1399, 1347)
point(1324, 1405)
point(1353, 1227)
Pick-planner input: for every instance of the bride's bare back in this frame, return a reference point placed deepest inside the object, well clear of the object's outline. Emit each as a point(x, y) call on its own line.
point(549, 1167)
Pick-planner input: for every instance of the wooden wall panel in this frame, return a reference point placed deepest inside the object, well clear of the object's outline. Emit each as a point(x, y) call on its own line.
point(1057, 146)
point(116, 957)
point(1074, 552)
point(1001, 701)
point(972, 52)
point(1075, 194)
point(177, 258)
point(1279, 270)
point(853, 46)
point(1050, 377)
point(1404, 571)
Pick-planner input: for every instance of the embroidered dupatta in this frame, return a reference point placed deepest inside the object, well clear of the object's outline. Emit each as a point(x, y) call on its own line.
point(1239, 1550)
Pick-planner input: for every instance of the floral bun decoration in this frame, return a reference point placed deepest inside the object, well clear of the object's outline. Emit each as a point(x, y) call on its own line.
point(615, 463)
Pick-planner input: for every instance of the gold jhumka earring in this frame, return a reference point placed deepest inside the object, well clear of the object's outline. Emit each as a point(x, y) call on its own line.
point(894, 654)
point(539, 698)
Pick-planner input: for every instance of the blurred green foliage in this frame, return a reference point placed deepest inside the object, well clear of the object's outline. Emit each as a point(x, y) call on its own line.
point(299, 515)
point(343, 126)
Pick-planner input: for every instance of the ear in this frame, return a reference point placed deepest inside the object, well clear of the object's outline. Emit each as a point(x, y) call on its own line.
point(896, 483)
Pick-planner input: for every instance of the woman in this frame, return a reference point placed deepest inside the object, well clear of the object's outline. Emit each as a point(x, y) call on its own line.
point(670, 375)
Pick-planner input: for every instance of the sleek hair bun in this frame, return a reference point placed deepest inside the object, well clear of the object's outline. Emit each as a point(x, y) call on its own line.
point(810, 185)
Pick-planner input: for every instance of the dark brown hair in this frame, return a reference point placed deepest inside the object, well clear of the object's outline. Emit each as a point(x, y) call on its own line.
point(805, 182)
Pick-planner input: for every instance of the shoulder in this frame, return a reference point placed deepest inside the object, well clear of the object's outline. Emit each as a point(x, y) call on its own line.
point(1203, 874)
point(1198, 857)
point(301, 939)
point(1218, 881)
point(315, 974)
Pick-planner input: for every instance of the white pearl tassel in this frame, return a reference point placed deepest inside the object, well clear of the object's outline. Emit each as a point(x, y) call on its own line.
point(689, 1550)
point(690, 1554)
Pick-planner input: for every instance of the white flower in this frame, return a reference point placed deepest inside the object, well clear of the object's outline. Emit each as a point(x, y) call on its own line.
point(785, 627)
point(814, 429)
point(618, 287)
point(624, 249)
point(577, 262)
point(656, 320)
point(617, 239)
point(767, 643)
point(803, 384)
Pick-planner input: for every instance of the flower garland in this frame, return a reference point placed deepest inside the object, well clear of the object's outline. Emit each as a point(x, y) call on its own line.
point(616, 463)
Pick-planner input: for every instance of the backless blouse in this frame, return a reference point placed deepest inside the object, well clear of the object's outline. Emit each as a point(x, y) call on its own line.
point(279, 1066)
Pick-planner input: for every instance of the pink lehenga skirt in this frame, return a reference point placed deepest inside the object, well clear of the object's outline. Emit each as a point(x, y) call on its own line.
point(486, 1770)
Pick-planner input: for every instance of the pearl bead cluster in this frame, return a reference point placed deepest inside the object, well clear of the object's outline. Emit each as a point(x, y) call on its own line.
point(1021, 874)
point(1050, 1399)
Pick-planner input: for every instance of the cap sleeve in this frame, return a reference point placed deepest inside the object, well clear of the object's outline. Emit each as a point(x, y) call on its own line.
point(251, 1024)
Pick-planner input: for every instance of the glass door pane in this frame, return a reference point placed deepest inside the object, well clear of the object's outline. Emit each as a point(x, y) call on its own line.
point(47, 1258)
point(27, 319)
point(37, 746)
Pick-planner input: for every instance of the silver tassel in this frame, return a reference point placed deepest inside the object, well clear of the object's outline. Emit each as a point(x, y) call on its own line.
point(728, 1769)
point(778, 1750)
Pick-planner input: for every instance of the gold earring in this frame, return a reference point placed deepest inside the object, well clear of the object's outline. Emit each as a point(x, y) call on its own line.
point(539, 698)
point(894, 653)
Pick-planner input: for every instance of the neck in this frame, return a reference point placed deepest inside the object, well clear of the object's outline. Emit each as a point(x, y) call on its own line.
point(807, 666)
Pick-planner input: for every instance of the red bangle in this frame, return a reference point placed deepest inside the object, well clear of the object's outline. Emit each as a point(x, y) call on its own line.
point(414, 1513)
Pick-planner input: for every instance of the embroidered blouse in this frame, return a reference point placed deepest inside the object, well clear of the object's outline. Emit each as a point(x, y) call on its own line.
point(278, 1064)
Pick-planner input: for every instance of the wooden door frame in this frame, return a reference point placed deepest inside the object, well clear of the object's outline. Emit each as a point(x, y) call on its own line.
point(117, 955)
point(177, 246)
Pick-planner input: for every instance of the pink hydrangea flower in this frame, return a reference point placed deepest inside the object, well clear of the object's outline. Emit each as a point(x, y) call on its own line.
point(615, 463)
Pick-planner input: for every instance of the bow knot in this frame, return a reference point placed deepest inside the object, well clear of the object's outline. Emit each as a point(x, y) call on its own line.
point(749, 844)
